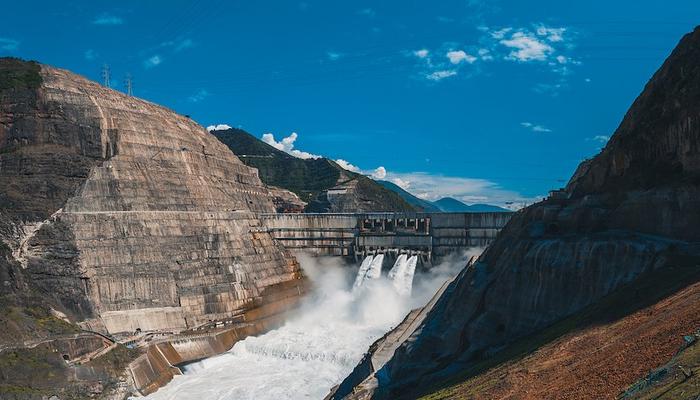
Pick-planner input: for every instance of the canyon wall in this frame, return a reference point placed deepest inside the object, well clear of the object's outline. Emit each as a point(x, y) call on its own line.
point(128, 215)
point(631, 211)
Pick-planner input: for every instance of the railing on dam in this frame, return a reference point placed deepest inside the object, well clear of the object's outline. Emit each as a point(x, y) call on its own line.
point(356, 235)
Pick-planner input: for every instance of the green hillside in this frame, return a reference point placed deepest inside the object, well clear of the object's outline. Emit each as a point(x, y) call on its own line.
point(306, 178)
point(309, 178)
point(423, 205)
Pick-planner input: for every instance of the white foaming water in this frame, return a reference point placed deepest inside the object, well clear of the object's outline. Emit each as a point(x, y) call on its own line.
point(403, 279)
point(375, 269)
point(398, 267)
point(320, 344)
point(362, 272)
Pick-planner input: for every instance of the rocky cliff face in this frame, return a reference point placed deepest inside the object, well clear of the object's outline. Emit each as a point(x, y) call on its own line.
point(126, 214)
point(629, 212)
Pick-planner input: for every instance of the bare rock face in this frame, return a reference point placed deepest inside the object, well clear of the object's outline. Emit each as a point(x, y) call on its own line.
point(627, 212)
point(129, 215)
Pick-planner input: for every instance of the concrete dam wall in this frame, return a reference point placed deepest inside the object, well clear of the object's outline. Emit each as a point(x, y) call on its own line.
point(355, 235)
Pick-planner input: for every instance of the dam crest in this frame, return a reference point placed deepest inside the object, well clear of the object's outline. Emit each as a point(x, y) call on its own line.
point(429, 236)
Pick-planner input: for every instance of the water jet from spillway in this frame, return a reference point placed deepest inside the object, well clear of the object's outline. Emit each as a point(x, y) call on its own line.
point(403, 278)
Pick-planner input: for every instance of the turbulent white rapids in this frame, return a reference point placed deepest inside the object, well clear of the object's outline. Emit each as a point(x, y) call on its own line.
point(319, 345)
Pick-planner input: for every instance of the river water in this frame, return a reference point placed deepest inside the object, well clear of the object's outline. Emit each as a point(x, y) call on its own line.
point(322, 342)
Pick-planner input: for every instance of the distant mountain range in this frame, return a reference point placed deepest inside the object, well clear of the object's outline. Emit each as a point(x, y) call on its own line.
point(446, 204)
point(417, 202)
point(320, 183)
point(449, 204)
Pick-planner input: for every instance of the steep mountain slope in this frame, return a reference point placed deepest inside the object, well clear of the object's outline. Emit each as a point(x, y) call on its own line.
point(448, 204)
point(321, 183)
point(632, 211)
point(125, 217)
point(307, 178)
point(420, 204)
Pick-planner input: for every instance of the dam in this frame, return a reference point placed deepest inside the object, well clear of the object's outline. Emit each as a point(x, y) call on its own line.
point(430, 236)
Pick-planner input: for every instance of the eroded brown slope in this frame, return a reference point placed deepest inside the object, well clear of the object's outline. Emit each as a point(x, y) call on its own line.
point(609, 345)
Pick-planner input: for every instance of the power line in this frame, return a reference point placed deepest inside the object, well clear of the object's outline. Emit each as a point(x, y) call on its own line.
point(105, 75)
point(129, 84)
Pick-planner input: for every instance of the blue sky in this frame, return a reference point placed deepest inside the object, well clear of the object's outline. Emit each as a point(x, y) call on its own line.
point(486, 101)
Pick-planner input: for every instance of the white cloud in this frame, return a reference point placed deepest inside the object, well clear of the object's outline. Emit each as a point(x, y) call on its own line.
point(538, 43)
point(287, 145)
point(527, 47)
point(333, 55)
point(440, 75)
point(176, 45)
point(367, 12)
point(107, 19)
point(458, 56)
point(469, 190)
point(422, 53)
point(347, 166)
point(405, 185)
point(485, 54)
point(551, 34)
point(153, 61)
point(379, 173)
point(499, 34)
point(199, 96)
point(8, 44)
point(551, 89)
point(219, 127)
point(535, 127)
point(184, 44)
point(602, 139)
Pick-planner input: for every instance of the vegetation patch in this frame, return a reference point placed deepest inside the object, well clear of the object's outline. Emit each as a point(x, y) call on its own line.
point(19, 74)
point(116, 361)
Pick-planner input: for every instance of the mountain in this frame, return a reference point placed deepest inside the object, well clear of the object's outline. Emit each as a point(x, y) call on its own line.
point(446, 204)
point(449, 204)
point(320, 182)
point(418, 203)
point(119, 217)
point(591, 293)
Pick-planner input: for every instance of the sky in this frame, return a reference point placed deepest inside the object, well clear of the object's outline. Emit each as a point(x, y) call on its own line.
point(485, 101)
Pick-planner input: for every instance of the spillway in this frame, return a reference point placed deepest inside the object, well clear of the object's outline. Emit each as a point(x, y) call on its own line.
point(362, 272)
point(403, 279)
point(399, 265)
point(318, 346)
point(375, 268)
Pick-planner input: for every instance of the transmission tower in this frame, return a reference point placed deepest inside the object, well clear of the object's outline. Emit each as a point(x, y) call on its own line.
point(105, 75)
point(129, 84)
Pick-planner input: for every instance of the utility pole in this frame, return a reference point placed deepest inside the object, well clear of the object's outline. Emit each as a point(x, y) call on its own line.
point(129, 84)
point(105, 75)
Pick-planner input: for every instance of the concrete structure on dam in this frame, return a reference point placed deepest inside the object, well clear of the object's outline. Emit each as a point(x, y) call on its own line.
point(355, 235)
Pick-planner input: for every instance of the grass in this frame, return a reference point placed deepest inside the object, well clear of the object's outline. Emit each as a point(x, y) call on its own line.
point(647, 290)
point(116, 360)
